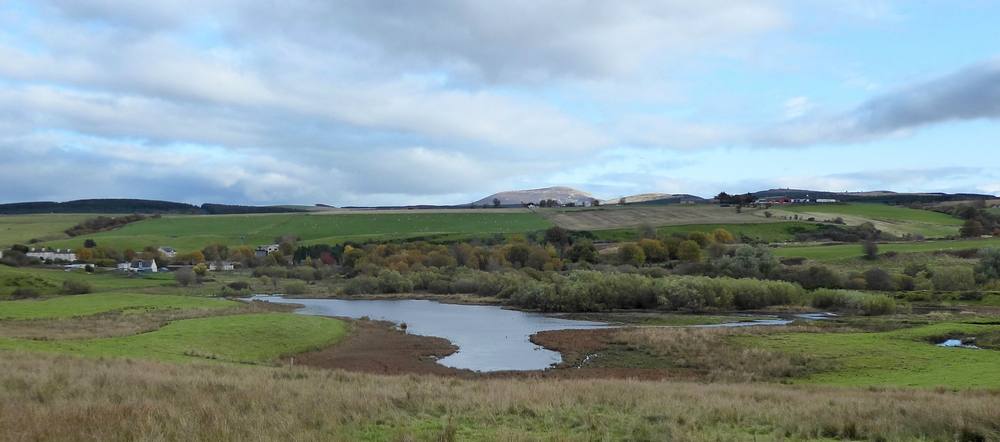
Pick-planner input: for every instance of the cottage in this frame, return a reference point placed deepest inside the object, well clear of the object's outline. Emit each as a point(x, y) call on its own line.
point(169, 252)
point(221, 266)
point(139, 266)
point(45, 254)
point(262, 251)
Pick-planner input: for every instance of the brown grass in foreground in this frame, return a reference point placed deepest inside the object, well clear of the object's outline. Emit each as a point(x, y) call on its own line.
point(45, 397)
point(120, 323)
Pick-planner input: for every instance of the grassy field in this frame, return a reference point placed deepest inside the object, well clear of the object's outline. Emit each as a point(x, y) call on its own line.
point(256, 338)
point(616, 217)
point(189, 233)
point(47, 397)
point(846, 251)
point(897, 220)
point(905, 357)
point(82, 305)
point(49, 281)
point(16, 229)
point(767, 232)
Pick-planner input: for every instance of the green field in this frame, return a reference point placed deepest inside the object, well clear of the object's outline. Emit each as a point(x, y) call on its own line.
point(905, 357)
point(83, 305)
point(189, 233)
point(256, 338)
point(49, 281)
point(897, 220)
point(16, 229)
point(846, 251)
point(767, 232)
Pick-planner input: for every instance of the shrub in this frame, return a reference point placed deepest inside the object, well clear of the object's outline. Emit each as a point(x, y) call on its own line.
point(689, 251)
point(631, 254)
point(239, 285)
point(953, 279)
point(184, 277)
point(868, 304)
point(24, 293)
point(654, 250)
point(361, 285)
point(723, 236)
point(295, 288)
point(878, 279)
point(989, 265)
point(391, 281)
point(74, 287)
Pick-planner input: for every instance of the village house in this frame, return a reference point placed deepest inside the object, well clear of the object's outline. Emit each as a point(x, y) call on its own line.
point(262, 251)
point(46, 254)
point(169, 252)
point(139, 266)
point(221, 266)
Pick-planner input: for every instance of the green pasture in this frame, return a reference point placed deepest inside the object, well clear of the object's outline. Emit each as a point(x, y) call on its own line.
point(47, 281)
point(189, 233)
point(907, 357)
point(256, 338)
point(766, 232)
point(897, 220)
point(85, 305)
point(19, 229)
point(846, 251)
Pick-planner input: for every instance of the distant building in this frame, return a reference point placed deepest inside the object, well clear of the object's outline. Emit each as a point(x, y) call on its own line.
point(825, 200)
point(139, 266)
point(221, 266)
point(169, 252)
point(45, 254)
point(262, 251)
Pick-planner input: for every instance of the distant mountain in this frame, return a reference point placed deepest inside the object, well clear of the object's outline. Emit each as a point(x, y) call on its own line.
point(563, 195)
point(112, 205)
point(656, 199)
point(881, 196)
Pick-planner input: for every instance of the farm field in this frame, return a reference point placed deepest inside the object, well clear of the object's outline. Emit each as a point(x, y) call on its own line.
point(846, 251)
point(190, 233)
point(766, 232)
point(16, 229)
point(615, 217)
point(49, 281)
point(892, 219)
point(91, 304)
point(905, 358)
point(255, 338)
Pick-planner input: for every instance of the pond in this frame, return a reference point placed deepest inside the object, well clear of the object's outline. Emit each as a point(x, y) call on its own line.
point(489, 338)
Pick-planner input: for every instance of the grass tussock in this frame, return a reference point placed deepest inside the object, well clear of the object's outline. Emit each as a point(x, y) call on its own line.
point(46, 397)
point(713, 355)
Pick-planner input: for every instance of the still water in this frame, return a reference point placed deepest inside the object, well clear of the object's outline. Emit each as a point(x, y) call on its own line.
point(489, 338)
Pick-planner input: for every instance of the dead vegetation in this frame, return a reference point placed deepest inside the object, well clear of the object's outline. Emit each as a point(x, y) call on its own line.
point(46, 397)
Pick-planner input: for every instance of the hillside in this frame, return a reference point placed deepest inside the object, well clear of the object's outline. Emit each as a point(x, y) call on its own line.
point(656, 198)
point(877, 196)
point(124, 205)
point(563, 195)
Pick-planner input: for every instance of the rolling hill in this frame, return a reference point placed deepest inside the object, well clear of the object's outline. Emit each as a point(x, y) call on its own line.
point(563, 195)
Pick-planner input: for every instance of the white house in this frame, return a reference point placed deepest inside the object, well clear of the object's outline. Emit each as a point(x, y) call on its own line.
point(139, 266)
point(169, 252)
point(52, 254)
point(825, 200)
point(221, 266)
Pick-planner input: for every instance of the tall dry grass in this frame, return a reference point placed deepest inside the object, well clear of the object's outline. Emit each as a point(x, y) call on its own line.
point(46, 397)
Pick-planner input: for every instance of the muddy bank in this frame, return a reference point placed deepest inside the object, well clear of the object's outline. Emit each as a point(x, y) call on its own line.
point(379, 347)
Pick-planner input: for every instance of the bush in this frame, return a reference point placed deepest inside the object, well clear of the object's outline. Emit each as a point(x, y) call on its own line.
point(185, 277)
point(878, 279)
point(24, 293)
point(239, 285)
point(989, 265)
point(361, 285)
point(295, 288)
point(391, 281)
point(953, 279)
point(631, 254)
point(689, 251)
point(868, 304)
point(74, 287)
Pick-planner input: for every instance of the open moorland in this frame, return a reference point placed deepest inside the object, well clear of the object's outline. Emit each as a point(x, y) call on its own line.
point(769, 329)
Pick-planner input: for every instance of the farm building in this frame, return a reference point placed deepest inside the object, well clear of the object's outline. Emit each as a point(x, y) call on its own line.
point(221, 266)
point(262, 251)
point(169, 252)
point(139, 266)
point(52, 254)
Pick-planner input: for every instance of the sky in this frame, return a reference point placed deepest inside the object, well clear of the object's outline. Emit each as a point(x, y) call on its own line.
point(378, 102)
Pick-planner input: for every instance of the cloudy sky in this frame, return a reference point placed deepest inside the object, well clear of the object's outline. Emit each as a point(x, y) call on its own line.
point(352, 102)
